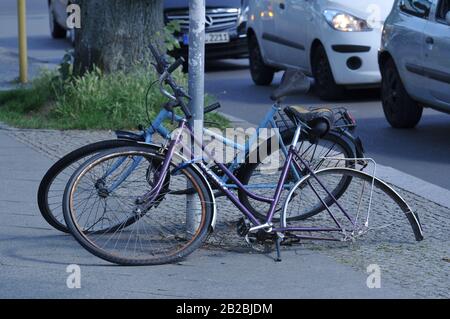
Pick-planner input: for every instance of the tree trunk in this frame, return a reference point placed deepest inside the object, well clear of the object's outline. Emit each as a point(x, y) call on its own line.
point(115, 34)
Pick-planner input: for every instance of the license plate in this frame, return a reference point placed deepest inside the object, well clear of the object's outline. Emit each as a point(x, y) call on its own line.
point(216, 37)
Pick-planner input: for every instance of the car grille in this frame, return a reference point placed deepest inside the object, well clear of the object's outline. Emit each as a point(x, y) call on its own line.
point(216, 19)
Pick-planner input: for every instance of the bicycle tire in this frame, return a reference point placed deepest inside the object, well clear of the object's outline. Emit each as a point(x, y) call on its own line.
point(54, 217)
point(197, 182)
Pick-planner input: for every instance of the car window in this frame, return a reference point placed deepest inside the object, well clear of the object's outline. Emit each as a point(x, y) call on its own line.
point(418, 8)
point(443, 9)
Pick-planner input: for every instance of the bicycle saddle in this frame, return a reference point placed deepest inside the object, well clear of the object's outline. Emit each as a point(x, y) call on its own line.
point(293, 82)
point(320, 120)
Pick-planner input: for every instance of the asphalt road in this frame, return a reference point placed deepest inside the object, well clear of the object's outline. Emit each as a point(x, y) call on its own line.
point(423, 152)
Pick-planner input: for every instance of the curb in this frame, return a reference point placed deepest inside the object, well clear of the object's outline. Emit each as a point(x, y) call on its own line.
point(412, 184)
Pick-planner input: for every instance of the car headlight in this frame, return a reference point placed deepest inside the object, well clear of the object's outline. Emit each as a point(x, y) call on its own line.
point(345, 22)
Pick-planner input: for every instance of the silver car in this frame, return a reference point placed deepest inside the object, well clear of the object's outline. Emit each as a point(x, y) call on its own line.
point(415, 60)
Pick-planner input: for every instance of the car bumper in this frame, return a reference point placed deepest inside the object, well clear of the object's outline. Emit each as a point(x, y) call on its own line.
point(353, 57)
point(236, 48)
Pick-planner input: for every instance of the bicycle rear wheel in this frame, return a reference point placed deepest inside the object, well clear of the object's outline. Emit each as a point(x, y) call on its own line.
point(376, 212)
point(163, 233)
point(253, 175)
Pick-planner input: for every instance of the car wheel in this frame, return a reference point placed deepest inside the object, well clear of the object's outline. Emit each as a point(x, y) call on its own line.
point(261, 73)
point(325, 85)
point(56, 30)
point(400, 109)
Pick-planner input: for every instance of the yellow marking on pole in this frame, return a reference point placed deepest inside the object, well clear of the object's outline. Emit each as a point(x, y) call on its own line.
point(23, 54)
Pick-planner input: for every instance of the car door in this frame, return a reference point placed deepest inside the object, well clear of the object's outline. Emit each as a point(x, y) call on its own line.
point(291, 24)
point(266, 16)
point(437, 53)
point(407, 43)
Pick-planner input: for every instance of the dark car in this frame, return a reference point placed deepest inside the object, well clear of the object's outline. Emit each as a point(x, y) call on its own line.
point(226, 23)
point(226, 27)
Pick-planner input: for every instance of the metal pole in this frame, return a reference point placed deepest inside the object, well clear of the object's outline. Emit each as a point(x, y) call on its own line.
point(23, 54)
point(197, 57)
point(197, 13)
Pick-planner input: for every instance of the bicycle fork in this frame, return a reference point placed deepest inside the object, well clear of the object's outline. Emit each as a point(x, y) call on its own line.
point(147, 200)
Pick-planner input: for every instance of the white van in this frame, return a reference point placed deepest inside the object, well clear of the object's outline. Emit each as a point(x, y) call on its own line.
point(335, 41)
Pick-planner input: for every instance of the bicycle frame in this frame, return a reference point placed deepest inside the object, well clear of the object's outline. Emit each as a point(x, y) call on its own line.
point(157, 127)
point(268, 121)
point(267, 225)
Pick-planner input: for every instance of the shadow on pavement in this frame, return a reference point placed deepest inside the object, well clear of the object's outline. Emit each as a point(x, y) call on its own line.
point(64, 250)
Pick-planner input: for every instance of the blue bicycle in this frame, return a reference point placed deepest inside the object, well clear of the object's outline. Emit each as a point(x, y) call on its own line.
point(339, 142)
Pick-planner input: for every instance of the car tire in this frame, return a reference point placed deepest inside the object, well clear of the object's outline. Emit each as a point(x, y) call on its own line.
point(325, 85)
point(56, 30)
point(261, 73)
point(400, 110)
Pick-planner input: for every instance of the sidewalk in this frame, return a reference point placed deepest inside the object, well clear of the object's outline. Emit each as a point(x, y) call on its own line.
point(34, 257)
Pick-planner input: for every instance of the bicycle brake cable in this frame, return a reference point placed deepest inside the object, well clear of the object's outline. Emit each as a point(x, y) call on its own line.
point(146, 100)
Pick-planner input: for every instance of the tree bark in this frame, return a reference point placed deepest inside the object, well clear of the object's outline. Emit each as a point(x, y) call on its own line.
point(115, 34)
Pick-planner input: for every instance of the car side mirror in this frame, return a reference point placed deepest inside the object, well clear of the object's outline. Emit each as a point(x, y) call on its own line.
point(447, 18)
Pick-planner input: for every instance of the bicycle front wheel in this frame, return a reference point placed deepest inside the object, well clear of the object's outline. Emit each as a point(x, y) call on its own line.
point(104, 211)
point(369, 209)
point(51, 188)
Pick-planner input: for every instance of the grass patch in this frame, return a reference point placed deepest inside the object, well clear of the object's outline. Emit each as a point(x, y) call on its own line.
point(93, 101)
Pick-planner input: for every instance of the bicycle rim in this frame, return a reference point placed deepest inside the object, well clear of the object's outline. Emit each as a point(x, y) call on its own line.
point(161, 234)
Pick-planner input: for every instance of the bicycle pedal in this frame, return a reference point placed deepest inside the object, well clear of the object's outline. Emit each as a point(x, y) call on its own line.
point(243, 227)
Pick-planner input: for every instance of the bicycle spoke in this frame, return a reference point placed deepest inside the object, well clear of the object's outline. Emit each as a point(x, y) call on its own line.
point(114, 222)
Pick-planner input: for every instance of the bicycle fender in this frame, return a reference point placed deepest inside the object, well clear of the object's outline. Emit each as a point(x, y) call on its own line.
point(407, 210)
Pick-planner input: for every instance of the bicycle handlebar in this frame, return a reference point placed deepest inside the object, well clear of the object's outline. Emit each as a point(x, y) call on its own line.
point(212, 107)
point(176, 65)
point(165, 77)
point(160, 64)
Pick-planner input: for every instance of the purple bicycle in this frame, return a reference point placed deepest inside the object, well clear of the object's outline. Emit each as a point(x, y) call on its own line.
point(166, 207)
